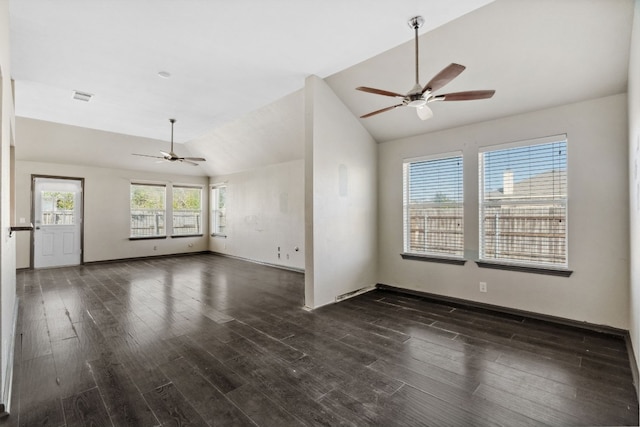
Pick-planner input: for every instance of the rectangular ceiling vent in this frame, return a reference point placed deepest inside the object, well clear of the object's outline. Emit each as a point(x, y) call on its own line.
point(82, 96)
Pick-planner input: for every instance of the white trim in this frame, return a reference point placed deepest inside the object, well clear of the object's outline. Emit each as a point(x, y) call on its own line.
point(176, 185)
point(523, 143)
point(148, 182)
point(441, 156)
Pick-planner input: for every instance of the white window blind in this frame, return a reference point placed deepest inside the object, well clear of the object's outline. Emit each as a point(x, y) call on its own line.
point(433, 206)
point(523, 203)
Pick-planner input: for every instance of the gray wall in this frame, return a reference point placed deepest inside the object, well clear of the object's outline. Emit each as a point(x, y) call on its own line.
point(265, 210)
point(598, 290)
point(340, 173)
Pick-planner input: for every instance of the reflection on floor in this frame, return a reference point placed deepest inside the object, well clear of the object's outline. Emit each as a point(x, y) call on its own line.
point(205, 340)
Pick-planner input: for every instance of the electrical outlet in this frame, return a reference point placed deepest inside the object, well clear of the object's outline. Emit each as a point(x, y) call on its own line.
point(483, 286)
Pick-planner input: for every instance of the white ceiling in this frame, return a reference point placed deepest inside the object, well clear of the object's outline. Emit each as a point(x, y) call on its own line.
point(237, 67)
point(226, 58)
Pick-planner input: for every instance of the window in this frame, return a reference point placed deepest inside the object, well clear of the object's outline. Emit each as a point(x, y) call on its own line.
point(58, 208)
point(148, 210)
point(433, 206)
point(187, 210)
point(218, 210)
point(523, 203)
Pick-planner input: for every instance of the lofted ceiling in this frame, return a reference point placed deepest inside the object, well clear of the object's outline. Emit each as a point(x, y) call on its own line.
point(237, 69)
point(535, 53)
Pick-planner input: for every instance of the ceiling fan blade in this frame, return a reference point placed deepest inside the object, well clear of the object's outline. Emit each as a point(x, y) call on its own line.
point(182, 160)
point(469, 95)
point(373, 113)
point(424, 112)
point(146, 155)
point(443, 77)
point(165, 154)
point(378, 91)
point(195, 159)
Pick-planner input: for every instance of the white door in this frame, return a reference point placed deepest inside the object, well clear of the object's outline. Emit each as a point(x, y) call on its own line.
point(57, 222)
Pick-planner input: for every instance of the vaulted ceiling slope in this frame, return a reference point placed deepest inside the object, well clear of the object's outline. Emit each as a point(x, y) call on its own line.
point(535, 53)
point(237, 67)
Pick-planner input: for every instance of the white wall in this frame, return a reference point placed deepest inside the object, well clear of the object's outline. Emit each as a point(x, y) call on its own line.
point(265, 210)
point(340, 198)
point(7, 244)
point(598, 290)
point(106, 214)
point(634, 180)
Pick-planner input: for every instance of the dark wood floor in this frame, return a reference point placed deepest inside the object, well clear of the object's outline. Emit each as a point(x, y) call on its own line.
point(205, 340)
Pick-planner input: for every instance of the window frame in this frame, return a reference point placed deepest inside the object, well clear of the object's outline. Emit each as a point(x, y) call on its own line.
point(174, 210)
point(214, 209)
point(164, 209)
point(433, 256)
point(522, 264)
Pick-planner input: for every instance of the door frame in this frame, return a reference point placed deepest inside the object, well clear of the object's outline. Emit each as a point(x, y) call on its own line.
point(33, 214)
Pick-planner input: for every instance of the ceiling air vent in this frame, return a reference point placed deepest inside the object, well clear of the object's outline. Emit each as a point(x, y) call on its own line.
point(82, 96)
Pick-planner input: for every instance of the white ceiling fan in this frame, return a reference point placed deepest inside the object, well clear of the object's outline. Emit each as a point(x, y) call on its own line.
point(173, 157)
point(418, 97)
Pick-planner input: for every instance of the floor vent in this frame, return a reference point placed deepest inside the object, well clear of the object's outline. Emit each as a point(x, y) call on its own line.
point(354, 293)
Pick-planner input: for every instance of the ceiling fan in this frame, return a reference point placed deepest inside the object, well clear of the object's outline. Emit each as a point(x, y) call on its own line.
point(418, 97)
point(173, 157)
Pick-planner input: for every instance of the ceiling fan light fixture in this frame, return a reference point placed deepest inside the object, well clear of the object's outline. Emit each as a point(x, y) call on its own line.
point(424, 112)
point(417, 103)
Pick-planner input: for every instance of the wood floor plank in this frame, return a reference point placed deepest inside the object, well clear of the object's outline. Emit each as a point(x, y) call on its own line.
point(125, 405)
point(214, 407)
point(72, 371)
point(171, 408)
point(86, 409)
point(261, 409)
point(223, 378)
point(287, 392)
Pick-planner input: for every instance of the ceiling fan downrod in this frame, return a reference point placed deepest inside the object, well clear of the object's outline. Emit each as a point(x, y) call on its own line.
point(172, 122)
point(416, 22)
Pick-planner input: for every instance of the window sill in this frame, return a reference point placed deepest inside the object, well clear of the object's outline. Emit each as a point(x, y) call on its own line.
point(186, 235)
point(148, 238)
point(432, 258)
point(562, 272)
point(224, 236)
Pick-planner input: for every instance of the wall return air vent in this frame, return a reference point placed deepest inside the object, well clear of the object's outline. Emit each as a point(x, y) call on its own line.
point(82, 96)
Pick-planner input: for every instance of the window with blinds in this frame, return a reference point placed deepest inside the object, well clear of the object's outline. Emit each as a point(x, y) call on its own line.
point(433, 206)
point(523, 202)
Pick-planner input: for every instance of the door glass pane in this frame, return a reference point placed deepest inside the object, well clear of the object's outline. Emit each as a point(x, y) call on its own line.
point(58, 207)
